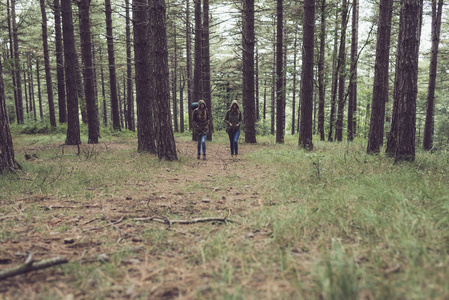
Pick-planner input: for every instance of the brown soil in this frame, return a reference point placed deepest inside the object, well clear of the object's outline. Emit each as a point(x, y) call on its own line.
point(93, 233)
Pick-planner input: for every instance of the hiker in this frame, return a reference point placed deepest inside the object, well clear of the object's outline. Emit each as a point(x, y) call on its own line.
point(233, 118)
point(201, 127)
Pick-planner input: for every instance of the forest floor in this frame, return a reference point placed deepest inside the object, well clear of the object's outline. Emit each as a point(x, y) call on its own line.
point(117, 221)
point(278, 223)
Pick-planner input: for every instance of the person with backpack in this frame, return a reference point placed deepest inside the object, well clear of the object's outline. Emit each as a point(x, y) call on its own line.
point(201, 127)
point(233, 118)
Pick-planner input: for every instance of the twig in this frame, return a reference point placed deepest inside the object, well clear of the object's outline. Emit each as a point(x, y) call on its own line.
point(29, 266)
point(190, 221)
point(122, 233)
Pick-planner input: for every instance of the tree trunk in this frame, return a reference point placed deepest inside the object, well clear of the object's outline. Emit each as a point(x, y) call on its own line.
point(182, 84)
point(11, 53)
point(103, 93)
point(273, 83)
point(7, 161)
point(436, 25)
point(60, 64)
point(88, 74)
point(305, 134)
point(166, 147)
point(189, 61)
point(175, 82)
point(39, 94)
point(321, 71)
point(295, 50)
point(20, 118)
point(51, 106)
point(381, 81)
point(280, 122)
point(207, 94)
point(341, 74)
point(197, 69)
point(335, 71)
point(144, 98)
point(70, 58)
point(112, 74)
point(248, 41)
point(352, 98)
point(129, 74)
point(257, 83)
point(408, 54)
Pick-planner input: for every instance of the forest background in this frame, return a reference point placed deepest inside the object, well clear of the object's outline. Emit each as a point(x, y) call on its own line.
point(340, 224)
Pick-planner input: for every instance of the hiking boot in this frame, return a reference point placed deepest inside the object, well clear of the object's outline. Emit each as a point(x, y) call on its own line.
point(204, 157)
point(198, 156)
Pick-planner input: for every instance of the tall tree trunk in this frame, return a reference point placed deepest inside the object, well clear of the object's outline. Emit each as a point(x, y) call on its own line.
point(321, 71)
point(11, 53)
point(112, 74)
point(197, 69)
point(189, 61)
point(248, 41)
point(182, 84)
point(341, 74)
point(207, 94)
point(88, 73)
point(70, 59)
point(51, 106)
point(305, 134)
point(280, 122)
point(381, 81)
point(335, 71)
point(411, 12)
point(273, 83)
point(166, 147)
point(174, 81)
point(144, 98)
point(129, 74)
point(257, 83)
point(20, 119)
point(295, 50)
point(31, 87)
point(7, 160)
point(39, 94)
point(352, 98)
point(103, 93)
point(60, 64)
point(436, 25)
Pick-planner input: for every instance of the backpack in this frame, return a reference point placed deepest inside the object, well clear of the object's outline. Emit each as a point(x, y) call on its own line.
point(194, 105)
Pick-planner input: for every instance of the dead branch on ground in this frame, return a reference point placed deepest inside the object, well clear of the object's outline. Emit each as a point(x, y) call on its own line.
point(29, 265)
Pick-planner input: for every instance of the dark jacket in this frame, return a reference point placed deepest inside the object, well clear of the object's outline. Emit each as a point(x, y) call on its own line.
point(233, 117)
point(200, 120)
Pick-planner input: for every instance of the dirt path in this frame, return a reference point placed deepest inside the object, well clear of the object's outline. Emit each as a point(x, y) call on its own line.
point(94, 232)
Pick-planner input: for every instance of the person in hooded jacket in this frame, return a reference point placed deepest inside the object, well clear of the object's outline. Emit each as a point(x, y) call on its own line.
point(233, 118)
point(201, 127)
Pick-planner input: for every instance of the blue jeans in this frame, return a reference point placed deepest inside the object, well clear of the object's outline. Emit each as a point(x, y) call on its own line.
point(201, 142)
point(234, 141)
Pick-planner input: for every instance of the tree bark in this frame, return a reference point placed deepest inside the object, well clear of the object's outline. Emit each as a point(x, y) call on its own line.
point(144, 98)
point(436, 25)
point(341, 73)
point(280, 121)
point(18, 87)
point(352, 97)
point(70, 58)
point(166, 147)
point(410, 26)
point(207, 94)
point(7, 161)
point(248, 41)
point(305, 134)
point(335, 71)
point(189, 61)
point(112, 74)
point(321, 71)
point(51, 106)
point(88, 74)
point(60, 64)
point(197, 69)
point(381, 69)
point(129, 74)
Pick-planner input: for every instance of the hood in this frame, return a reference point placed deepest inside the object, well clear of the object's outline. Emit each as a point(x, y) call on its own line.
point(201, 102)
point(235, 102)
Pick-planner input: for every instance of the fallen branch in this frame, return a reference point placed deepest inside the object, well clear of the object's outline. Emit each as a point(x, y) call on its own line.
point(190, 221)
point(29, 266)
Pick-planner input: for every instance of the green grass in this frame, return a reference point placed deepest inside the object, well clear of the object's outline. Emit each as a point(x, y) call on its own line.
point(335, 223)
